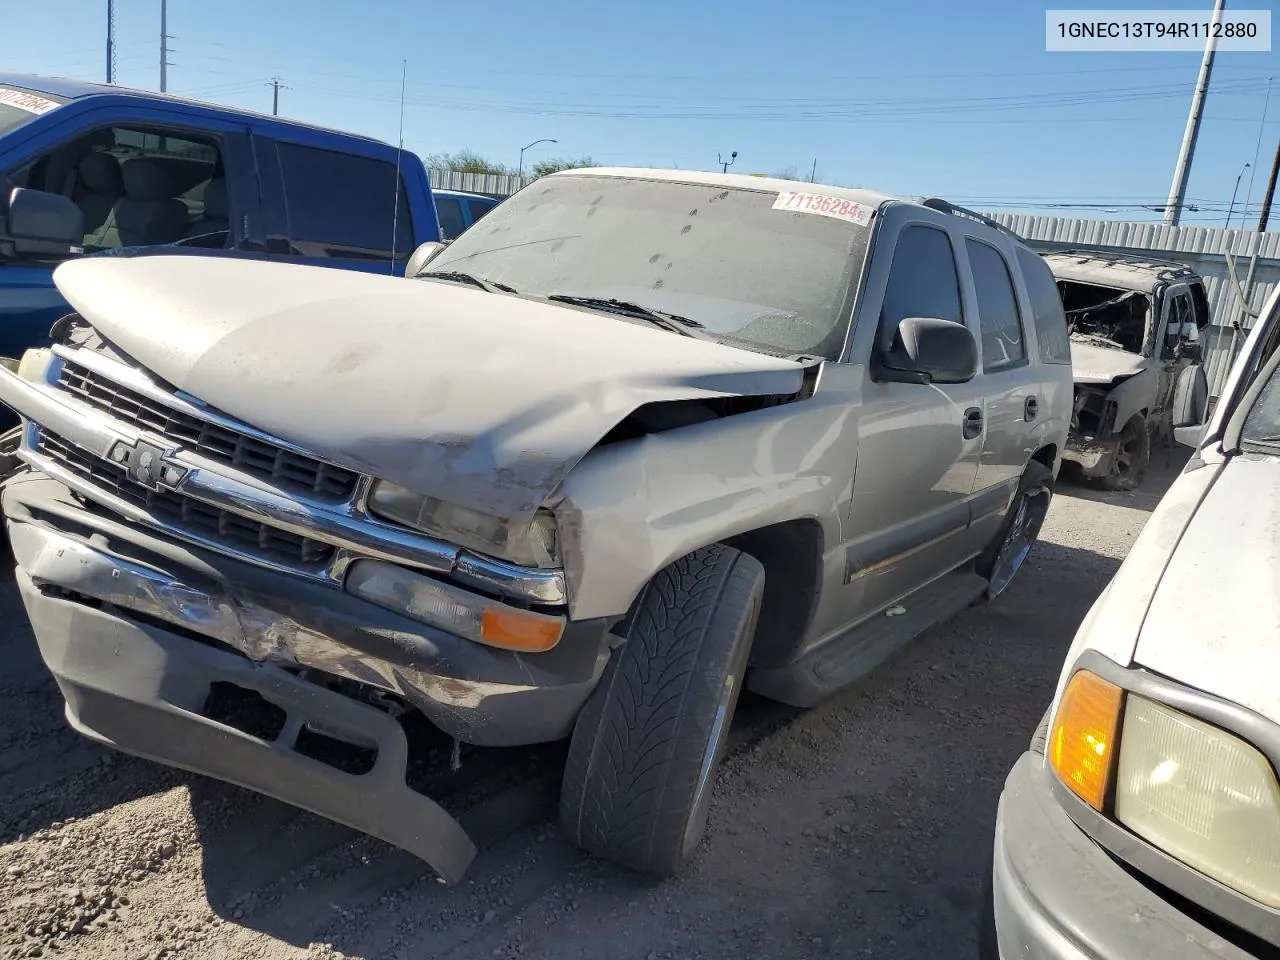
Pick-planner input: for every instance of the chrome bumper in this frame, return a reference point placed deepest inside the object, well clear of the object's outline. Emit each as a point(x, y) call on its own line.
point(345, 525)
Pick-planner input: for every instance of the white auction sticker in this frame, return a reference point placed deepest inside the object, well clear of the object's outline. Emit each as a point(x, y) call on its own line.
point(29, 102)
point(825, 205)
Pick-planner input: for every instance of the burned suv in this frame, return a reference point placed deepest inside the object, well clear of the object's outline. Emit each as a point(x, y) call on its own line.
point(633, 441)
point(1136, 349)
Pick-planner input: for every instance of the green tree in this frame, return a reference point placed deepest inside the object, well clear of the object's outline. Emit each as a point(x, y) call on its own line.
point(465, 161)
point(544, 167)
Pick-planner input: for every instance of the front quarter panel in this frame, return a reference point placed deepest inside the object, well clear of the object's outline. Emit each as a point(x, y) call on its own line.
point(628, 510)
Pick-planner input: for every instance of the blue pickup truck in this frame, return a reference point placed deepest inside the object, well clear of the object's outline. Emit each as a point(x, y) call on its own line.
point(87, 169)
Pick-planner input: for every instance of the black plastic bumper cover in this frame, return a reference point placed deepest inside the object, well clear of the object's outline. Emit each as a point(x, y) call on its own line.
point(140, 689)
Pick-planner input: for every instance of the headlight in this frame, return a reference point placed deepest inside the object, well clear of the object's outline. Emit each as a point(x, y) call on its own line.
point(32, 366)
point(530, 544)
point(458, 611)
point(1203, 796)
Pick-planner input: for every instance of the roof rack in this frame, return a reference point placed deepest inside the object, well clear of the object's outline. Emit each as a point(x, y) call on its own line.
point(946, 206)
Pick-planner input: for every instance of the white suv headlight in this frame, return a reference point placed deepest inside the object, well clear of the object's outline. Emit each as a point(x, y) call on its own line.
point(1201, 795)
point(531, 544)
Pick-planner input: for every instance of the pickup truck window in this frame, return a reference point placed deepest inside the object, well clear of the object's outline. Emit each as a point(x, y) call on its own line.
point(479, 208)
point(923, 281)
point(342, 205)
point(1052, 333)
point(998, 320)
point(449, 212)
point(139, 187)
point(774, 280)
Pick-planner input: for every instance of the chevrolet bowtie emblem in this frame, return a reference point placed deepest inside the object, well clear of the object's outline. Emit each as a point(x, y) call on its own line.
point(145, 464)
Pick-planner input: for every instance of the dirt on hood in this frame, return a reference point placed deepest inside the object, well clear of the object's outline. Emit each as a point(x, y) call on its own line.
point(479, 399)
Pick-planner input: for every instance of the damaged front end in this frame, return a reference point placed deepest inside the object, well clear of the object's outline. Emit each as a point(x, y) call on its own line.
point(1092, 442)
point(174, 558)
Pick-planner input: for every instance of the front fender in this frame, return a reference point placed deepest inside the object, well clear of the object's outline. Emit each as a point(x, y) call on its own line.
point(629, 509)
point(1133, 396)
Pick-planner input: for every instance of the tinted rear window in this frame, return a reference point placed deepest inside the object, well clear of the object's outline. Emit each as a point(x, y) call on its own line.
point(342, 205)
point(1046, 306)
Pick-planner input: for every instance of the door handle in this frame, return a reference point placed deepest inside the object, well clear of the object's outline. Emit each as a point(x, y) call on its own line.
point(1030, 409)
point(972, 426)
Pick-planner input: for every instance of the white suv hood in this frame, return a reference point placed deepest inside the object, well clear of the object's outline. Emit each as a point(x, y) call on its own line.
point(1214, 622)
point(478, 399)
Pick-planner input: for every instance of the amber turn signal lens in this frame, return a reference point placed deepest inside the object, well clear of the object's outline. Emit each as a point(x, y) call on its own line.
point(1083, 741)
point(520, 630)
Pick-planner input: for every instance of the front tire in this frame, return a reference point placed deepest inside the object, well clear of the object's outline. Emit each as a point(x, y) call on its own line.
point(1129, 468)
point(645, 750)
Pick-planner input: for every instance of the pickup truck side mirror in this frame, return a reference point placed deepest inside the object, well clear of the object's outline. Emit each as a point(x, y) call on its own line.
point(43, 223)
point(929, 350)
point(422, 256)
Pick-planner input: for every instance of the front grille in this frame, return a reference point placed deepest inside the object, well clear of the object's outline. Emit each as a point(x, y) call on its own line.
point(180, 512)
point(288, 470)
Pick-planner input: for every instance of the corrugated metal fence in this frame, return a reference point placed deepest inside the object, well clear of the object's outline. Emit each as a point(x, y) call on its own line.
point(1210, 251)
point(491, 184)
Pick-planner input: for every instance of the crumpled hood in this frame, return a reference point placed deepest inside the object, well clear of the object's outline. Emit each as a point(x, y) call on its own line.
point(1091, 363)
point(1214, 622)
point(478, 399)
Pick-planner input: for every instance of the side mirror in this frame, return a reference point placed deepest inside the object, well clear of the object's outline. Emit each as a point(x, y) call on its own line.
point(40, 222)
point(930, 350)
point(422, 256)
point(1190, 405)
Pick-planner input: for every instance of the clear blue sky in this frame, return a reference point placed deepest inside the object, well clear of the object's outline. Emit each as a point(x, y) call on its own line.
point(945, 97)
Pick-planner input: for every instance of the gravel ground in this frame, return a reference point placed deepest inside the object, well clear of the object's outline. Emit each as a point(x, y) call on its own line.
point(859, 828)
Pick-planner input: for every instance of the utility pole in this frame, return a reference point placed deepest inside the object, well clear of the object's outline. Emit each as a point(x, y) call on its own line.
point(164, 45)
point(111, 41)
point(275, 96)
point(1182, 172)
point(813, 171)
point(1271, 192)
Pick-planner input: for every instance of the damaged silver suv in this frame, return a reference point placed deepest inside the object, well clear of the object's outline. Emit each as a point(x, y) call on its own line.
point(634, 440)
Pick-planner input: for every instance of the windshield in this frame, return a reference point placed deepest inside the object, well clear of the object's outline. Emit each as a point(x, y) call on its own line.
point(1263, 423)
point(764, 278)
point(21, 106)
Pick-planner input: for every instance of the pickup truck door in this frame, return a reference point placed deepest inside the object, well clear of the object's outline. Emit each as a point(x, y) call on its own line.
point(29, 301)
point(1012, 401)
point(918, 444)
point(1176, 312)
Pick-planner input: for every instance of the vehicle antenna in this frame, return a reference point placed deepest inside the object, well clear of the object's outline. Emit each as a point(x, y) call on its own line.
point(395, 210)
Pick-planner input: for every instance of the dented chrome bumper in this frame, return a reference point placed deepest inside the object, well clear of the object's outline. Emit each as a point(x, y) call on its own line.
point(119, 613)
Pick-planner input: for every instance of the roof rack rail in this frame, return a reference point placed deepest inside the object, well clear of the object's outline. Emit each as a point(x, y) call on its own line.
point(946, 206)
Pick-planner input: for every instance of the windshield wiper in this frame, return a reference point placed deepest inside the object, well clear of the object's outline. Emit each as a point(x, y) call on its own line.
point(457, 276)
point(659, 318)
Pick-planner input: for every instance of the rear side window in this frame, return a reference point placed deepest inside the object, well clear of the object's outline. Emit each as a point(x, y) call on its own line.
point(1052, 332)
point(341, 205)
point(922, 281)
point(479, 208)
point(998, 320)
point(449, 213)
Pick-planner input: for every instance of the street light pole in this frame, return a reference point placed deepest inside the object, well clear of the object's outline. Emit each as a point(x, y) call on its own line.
point(520, 169)
point(1231, 208)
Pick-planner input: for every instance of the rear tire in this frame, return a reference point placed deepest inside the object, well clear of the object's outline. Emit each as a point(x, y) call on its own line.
point(645, 749)
point(1004, 556)
point(1129, 468)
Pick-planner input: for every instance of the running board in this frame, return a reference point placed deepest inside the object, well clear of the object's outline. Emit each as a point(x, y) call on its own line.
point(839, 662)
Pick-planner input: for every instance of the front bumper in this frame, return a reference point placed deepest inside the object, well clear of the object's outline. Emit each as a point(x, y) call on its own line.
point(1059, 896)
point(120, 614)
point(1094, 455)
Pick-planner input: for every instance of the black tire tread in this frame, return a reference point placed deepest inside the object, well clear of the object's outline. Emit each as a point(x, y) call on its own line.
point(637, 748)
point(1034, 473)
point(1113, 481)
